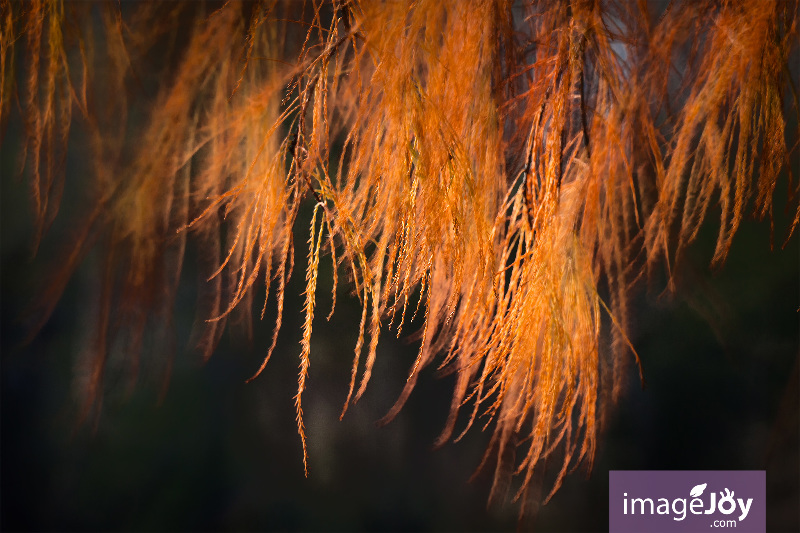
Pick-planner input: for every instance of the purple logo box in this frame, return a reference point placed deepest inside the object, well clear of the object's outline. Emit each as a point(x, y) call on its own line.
point(679, 501)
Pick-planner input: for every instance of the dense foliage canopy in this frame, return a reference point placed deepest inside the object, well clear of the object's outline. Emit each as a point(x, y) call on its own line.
point(506, 170)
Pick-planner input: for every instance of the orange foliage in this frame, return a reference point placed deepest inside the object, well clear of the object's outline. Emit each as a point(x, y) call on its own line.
point(508, 162)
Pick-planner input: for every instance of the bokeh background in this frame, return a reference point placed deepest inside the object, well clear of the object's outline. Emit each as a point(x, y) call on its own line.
point(721, 391)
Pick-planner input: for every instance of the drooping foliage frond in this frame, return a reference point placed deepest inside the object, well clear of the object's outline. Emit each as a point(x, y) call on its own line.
point(508, 169)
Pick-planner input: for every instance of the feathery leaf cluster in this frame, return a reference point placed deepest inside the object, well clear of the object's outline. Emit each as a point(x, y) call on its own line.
point(494, 165)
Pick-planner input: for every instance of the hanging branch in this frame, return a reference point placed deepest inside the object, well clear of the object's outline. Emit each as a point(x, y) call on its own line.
point(629, 129)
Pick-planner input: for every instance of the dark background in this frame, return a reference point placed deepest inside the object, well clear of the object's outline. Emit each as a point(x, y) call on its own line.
point(720, 360)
